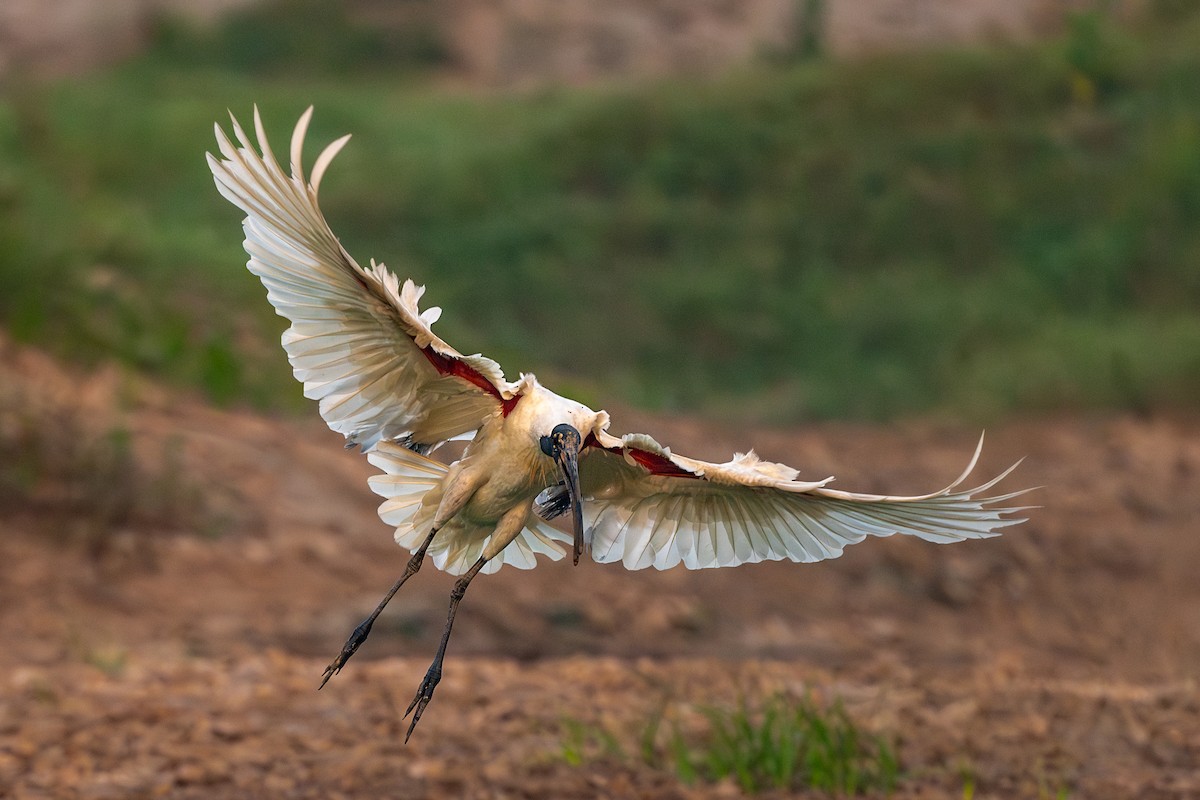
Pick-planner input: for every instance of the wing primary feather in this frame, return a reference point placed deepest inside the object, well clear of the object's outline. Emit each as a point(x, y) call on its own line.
point(261, 134)
point(297, 152)
point(818, 534)
point(257, 165)
point(790, 541)
point(270, 168)
point(775, 544)
point(327, 155)
point(664, 539)
point(742, 533)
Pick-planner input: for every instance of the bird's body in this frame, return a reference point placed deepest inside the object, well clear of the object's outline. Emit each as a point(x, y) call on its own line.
point(360, 344)
point(489, 492)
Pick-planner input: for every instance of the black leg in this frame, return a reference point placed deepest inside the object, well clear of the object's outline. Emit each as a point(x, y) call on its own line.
point(364, 630)
point(425, 693)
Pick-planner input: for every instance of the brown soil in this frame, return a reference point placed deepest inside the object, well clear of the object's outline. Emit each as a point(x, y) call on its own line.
point(140, 661)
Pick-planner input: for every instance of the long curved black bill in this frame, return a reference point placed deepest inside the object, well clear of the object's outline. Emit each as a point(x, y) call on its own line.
point(567, 456)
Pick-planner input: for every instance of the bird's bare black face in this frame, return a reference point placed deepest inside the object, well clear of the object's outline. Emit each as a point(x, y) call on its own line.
point(562, 436)
point(563, 445)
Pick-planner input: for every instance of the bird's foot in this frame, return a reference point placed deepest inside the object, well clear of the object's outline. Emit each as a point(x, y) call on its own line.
point(423, 696)
point(358, 637)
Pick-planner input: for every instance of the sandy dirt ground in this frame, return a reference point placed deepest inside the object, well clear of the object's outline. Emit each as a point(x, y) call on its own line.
point(156, 659)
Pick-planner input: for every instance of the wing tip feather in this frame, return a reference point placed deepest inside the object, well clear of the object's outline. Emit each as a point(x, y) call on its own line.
point(324, 159)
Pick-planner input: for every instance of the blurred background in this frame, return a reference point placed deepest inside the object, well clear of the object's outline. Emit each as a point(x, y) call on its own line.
point(849, 234)
point(764, 211)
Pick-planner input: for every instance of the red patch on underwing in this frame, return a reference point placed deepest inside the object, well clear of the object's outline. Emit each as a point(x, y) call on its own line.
point(659, 465)
point(447, 365)
point(651, 462)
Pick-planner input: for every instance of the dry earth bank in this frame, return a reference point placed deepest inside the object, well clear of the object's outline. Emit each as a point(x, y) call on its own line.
point(152, 661)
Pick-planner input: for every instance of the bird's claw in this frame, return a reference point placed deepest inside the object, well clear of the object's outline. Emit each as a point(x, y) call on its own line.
point(348, 649)
point(422, 698)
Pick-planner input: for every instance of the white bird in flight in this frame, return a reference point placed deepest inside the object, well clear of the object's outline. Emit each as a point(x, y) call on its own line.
point(361, 346)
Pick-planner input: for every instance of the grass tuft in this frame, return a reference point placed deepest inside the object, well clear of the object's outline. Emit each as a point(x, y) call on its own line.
point(785, 743)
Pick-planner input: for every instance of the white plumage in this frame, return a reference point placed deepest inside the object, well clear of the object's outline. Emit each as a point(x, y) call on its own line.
point(741, 514)
point(412, 485)
point(362, 347)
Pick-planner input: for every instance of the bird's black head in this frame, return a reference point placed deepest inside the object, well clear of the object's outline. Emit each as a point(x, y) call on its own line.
point(562, 436)
point(563, 445)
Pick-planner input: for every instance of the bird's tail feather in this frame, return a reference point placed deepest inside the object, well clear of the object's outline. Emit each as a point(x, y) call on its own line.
point(411, 483)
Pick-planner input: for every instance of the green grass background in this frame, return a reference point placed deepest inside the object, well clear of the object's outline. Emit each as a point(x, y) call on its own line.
point(969, 233)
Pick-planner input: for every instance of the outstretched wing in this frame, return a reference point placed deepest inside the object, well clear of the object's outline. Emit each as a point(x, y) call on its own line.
point(358, 341)
point(645, 506)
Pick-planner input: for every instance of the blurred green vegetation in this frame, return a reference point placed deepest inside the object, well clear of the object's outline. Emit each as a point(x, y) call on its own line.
point(963, 232)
